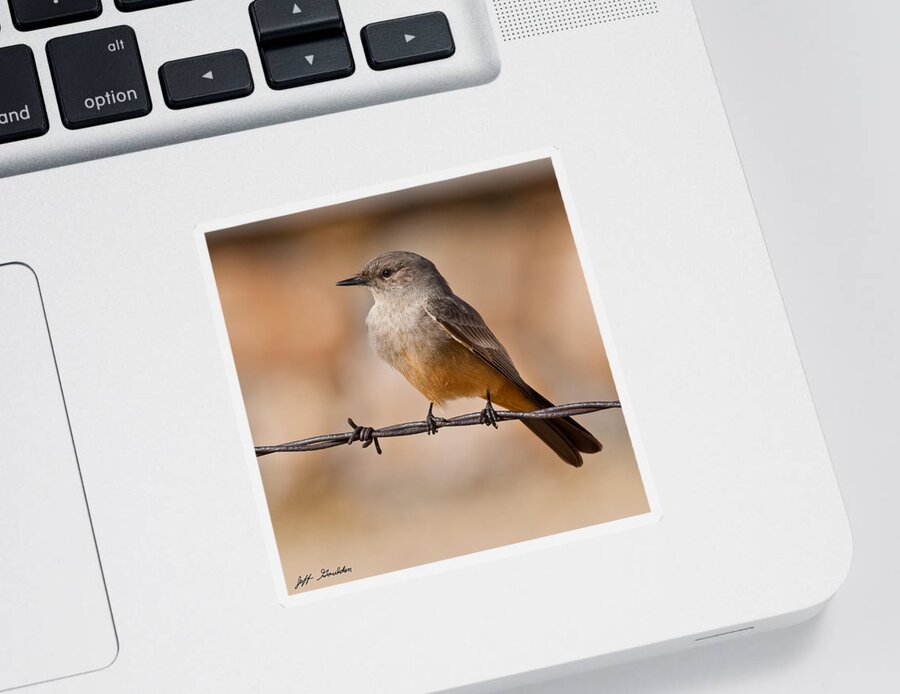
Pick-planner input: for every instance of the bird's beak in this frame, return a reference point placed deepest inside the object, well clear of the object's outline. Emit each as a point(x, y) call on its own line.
point(352, 281)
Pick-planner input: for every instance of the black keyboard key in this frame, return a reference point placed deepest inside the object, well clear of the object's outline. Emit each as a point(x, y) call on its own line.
point(407, 41)
point(98, 77)
point(37, 14)
point(283, 19)
point(22, 111)
point(131, 5)
point(205, 79)
point(296, 64)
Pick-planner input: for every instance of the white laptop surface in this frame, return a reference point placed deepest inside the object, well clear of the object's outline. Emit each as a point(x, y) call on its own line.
point(184, 183)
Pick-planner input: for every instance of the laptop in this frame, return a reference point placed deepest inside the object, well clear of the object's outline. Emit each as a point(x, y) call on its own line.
point(402, 346)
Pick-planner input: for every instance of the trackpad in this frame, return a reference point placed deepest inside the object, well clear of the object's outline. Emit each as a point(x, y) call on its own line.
point(55, 619)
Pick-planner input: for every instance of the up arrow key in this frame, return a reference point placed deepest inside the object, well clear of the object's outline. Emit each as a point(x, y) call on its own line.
point(296, 9)
point(408, 37)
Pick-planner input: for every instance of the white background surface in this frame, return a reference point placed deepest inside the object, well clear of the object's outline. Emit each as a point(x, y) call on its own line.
point(811, 90)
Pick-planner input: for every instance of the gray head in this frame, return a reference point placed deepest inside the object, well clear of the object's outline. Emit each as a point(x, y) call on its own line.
point(398, 273)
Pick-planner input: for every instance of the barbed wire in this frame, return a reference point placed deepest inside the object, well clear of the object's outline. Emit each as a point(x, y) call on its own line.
point(370, 436)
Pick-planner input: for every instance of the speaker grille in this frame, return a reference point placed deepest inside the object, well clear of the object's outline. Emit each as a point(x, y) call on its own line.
point(521, 19)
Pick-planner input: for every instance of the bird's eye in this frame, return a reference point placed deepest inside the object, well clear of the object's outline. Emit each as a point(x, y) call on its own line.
point(387, 273)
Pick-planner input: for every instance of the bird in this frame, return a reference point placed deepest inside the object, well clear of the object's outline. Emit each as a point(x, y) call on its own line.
point(444, 348)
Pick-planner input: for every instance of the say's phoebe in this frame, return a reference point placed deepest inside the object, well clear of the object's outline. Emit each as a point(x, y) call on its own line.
point(443, 347)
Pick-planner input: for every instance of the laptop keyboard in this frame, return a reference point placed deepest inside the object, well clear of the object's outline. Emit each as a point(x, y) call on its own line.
point(102, 76)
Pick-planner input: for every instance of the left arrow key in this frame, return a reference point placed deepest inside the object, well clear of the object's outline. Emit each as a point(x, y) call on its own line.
point(206, 79)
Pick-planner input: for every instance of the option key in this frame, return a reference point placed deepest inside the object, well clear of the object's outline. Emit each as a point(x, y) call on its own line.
point(98, 77)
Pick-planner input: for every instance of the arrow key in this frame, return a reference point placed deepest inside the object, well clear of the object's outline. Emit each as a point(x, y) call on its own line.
point(296, 64)
point(274, 20)
point(408, 40)
point(205, 79)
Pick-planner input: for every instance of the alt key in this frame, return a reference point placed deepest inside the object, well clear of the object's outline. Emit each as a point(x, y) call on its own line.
point(98, 76)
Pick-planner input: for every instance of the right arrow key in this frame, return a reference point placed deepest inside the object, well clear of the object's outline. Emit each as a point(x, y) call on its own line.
point(408, 40)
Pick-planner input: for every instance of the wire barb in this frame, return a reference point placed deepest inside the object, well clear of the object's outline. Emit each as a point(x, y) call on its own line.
point(369, 436)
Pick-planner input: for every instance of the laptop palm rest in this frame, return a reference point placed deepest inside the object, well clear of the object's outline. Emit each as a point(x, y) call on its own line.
point(55, 619)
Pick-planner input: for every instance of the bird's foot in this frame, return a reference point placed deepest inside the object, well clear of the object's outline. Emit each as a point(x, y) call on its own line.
point(364, 434)
point(488, 415)
point(433, 423)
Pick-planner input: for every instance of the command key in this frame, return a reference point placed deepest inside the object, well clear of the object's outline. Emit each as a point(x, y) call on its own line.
point(21, 104)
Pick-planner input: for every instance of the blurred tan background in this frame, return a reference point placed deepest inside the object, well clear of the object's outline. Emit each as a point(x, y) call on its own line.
point(503, 242)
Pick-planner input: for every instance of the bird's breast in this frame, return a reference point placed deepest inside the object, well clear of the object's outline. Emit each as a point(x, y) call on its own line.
point(401, 332)
point(438, 366)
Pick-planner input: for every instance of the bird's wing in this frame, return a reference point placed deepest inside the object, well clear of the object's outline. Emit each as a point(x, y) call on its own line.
point(466, 326)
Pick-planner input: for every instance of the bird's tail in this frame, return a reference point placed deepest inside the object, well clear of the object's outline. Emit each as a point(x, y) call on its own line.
point(564, 435)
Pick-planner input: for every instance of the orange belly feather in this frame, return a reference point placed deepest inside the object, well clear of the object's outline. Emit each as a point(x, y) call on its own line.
point(454, 372)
